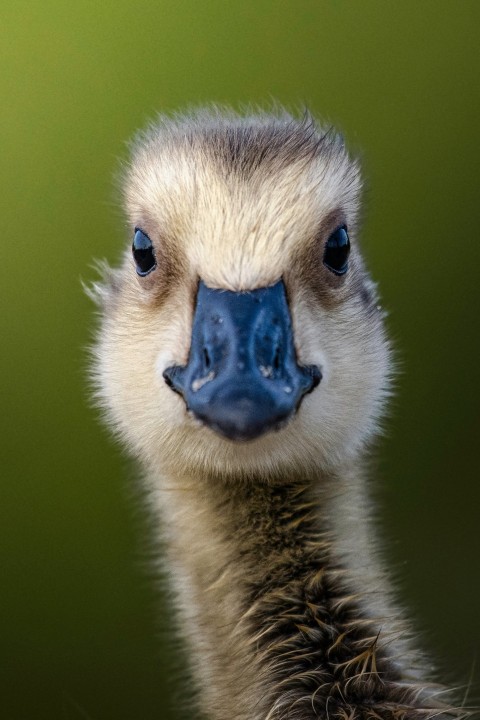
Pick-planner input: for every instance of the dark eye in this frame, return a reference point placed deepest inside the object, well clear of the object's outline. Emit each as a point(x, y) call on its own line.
point(143, 254)
point(337, 251)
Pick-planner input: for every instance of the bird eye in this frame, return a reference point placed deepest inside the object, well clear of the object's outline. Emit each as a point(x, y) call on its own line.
point(143, 254)
point(337, 250)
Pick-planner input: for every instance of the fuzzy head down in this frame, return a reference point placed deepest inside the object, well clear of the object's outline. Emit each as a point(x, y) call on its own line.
point(240, 203)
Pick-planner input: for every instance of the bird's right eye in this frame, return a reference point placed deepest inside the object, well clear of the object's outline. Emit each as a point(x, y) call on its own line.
point(337, 250)
point(143, 254)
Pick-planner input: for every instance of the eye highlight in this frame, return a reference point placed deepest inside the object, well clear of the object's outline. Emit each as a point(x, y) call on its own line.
point(143, 254)
point(337, 250)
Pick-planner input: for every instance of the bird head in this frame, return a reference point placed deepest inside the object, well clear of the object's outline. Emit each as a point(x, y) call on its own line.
point(241, 333)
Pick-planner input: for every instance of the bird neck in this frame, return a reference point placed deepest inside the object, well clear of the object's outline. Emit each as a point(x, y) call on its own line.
point(282, 605)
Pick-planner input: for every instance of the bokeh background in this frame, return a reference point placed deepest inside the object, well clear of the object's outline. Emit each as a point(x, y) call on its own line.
point(84, 632)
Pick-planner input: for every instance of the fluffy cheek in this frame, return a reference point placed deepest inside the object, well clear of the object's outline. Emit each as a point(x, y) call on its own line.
point(343, 412)
point(137, 342)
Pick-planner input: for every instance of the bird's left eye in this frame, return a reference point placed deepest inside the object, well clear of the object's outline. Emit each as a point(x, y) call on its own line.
point(143, 254)
point(337, 250)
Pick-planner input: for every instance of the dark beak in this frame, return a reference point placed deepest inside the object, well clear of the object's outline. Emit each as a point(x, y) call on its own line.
point(242, 378)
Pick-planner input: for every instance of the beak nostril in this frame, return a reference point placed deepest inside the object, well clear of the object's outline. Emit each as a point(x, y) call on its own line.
point(276, 359)
point(206, 359)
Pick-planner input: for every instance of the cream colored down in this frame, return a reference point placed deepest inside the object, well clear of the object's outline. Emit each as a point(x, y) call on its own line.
point(240, 233)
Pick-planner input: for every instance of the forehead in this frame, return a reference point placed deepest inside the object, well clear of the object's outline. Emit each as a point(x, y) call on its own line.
point(236, 197)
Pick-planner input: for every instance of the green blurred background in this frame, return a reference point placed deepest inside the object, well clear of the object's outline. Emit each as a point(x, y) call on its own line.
point(83, 630)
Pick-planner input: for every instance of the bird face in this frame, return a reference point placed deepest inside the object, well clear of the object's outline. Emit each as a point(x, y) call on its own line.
point(241, 334)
